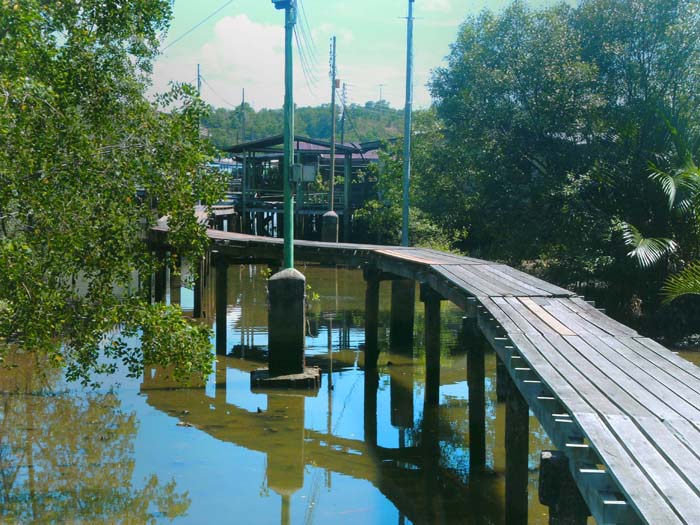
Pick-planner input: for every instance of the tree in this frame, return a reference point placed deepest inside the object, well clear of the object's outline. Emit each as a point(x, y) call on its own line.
point(552, 116)
point(87, 164)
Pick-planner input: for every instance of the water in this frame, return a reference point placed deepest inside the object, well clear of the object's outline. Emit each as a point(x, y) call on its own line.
point(144, 450)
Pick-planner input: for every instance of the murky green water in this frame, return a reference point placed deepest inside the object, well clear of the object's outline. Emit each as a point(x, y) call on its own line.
point(364, 449)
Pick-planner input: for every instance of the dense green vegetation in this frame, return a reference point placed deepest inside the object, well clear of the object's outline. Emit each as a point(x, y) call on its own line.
point(539, 150)
point(372, 121)
point(78, 142)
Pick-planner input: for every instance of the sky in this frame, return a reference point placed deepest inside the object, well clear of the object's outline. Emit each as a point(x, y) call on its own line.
point(242, 47)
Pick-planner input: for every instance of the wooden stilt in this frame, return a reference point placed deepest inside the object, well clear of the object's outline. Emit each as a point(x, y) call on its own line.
point(431, 300)
point(370, 408)
point(371, 317)
point(474, 342)
point(197, 292)
point(403, 296)
point(501, 380)
point(221, 303)
point(558, 490)
point(516, 443)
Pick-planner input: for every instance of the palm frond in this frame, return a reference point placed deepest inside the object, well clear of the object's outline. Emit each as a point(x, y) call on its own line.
point(669, 183)
point(647, 251)
point(685, 282)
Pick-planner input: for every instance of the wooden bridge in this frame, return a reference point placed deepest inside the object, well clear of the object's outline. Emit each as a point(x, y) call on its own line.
point(624, 410)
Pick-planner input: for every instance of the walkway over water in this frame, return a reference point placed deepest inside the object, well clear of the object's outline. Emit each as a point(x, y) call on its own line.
point(624, 410)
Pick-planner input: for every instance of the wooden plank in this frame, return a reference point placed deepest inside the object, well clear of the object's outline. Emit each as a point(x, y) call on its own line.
point(469, 288)
point(608, 388)
point(539, 283)
point(513, 286)
point(656, 368)
point(635, 381)
point(546, 317)
point(669, 482)
point(500, 316)
point(639, 491)
point(409, 256)
point(680, 363)
point(556, 307)
point(598, 318)
point(498, 273)
point(470, 274)
point(674, 450)
point(523, 317)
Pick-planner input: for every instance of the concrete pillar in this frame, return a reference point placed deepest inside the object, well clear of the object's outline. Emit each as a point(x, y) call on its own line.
point(286, 293)
point(371, 317)
point(431, 300)
point(329, 227)
point(475, 343)
point(285, 458)
point(221, 265)
point(403, 298)
point(558, 490)
point(516, 444)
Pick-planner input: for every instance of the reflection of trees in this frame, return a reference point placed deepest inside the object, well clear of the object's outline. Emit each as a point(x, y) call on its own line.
point(70, 460)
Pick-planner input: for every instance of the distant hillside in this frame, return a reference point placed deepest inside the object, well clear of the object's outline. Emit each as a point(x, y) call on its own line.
point(374, 120)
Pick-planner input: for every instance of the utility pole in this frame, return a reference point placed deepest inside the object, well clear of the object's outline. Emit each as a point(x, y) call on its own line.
point(407, 123)
point(343, 98)
point(329, 221)
point(333, 41)
point(199, 81)
point(381, 86)
point(243, 116)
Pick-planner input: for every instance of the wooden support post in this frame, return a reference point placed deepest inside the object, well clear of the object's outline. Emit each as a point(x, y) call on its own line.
point(371, 276)
point(516, 443)
point(197, 292)
point(403, 297)
point(221, 303)
point(502, 380)
point(475, 342)
point(431, 300)
point(160, 278)
point(370, 408)
point(558, 490)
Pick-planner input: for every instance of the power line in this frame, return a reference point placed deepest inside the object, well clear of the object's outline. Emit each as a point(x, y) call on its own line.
point(234, 106)
point(183, 35)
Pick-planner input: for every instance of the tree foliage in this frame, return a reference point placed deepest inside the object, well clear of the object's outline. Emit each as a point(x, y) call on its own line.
point(552, 116)
point(81, 146)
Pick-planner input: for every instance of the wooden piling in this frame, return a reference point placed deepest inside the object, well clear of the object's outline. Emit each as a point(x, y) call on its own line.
point(475, 343)
point(501, 380)
point(197, 292)
point(431, 300)
point(370, 408)
point(160, 278)
point(516, 444)
point(371, 317)
point(558, 491)
point(221, 303)
point(403, 297)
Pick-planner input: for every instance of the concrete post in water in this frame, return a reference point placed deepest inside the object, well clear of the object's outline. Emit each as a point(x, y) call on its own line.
point(516, 443)
point(431, 300)
point(475, 342)
point(403, 297)
point(286, 318)
point(371, 276)
point(329, 227)
point(221, 265)
point(558, 490)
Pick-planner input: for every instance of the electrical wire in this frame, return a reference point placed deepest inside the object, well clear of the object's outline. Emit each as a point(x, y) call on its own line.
point(234, 106)
point(198, 24)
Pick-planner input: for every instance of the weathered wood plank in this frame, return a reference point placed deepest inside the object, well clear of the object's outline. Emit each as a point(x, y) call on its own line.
point(546, 317)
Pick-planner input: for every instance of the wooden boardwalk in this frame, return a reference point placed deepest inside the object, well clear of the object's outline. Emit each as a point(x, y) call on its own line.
point(625, 410)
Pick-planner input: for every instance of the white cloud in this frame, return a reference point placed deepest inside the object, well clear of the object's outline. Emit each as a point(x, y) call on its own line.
point(437, 5)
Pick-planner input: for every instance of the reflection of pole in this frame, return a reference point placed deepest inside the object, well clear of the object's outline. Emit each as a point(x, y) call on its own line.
point(407, 124)
point(332, 177)
point(285, 510)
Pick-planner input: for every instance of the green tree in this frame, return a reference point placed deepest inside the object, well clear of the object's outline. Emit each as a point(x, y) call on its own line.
point(80, 145)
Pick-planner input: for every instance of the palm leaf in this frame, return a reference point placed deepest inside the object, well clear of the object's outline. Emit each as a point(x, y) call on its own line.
point(685, 282)
point(647, 251)
point(669, 183)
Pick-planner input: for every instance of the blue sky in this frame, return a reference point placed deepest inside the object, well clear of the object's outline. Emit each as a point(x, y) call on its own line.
point(242, 47)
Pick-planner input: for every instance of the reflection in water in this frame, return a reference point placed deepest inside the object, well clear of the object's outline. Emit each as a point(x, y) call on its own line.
point(68, 459)
point(366, 447)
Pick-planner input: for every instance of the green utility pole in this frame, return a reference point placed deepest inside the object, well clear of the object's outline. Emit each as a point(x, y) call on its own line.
point(290, 15)
point(333, 81)
point(407, 124)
